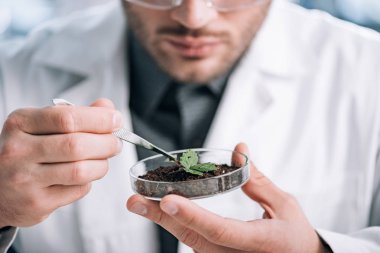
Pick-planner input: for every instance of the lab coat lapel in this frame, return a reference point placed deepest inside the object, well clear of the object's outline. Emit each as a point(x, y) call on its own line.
point(266, 74)
point(243, 103)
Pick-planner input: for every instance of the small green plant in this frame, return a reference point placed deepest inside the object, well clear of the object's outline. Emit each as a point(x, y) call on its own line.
point(189, 160)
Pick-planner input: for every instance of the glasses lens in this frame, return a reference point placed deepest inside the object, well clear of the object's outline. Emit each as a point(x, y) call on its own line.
point(221, 5)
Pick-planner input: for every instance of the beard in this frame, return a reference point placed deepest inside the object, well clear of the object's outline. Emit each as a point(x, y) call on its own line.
point(191, 69)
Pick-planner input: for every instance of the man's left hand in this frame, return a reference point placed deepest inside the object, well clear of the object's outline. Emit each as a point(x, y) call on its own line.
point(284, 227)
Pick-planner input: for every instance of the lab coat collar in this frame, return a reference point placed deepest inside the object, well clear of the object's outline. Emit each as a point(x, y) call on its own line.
point(272, 50)
point(104, 35)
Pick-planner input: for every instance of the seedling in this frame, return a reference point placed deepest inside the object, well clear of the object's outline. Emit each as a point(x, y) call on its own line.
point(189, 160)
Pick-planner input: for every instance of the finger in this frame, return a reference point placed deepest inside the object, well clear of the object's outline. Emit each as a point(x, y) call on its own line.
point(218, 230)
point(64, 119)
point(75, 173)
point(277, 203)
point(151, 210)
point(239, 156)
point(74, 147)
point(103, 102)
point(63, 195)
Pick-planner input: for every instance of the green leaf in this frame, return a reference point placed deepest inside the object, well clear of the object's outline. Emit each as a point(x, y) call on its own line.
point(194, 172)
point(204, 167)
point(188, 159)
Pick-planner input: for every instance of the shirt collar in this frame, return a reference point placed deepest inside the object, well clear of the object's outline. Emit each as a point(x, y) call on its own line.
point(217, 86)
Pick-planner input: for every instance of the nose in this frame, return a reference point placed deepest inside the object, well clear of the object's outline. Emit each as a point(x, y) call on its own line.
point(193, 14)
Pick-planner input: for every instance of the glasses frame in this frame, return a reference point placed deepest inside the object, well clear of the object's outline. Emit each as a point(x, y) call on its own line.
point(209, 3)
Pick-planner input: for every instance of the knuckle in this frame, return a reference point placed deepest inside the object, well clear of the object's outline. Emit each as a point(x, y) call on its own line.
point(190, 238)
point(218, 235)
point(105, 121)
point(189, 221)
point(13, 121)
point(9, 150)
point(83, 190)
point(13, 150)
point(66, 120)
point(79, 174)
point(73, 145)
point(158, 218)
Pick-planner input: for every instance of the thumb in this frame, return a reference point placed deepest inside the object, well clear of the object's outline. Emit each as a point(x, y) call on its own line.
point(259, 188)
point(103, 102)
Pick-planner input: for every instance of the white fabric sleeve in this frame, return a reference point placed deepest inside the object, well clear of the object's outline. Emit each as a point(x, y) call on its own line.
point(7, 236)
point(363, 241)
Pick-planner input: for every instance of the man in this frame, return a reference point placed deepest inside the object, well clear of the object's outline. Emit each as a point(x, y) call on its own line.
point(300, 89)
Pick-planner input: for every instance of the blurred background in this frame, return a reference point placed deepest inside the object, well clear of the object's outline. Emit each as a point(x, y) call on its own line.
point(362, 12)
point(18, 17)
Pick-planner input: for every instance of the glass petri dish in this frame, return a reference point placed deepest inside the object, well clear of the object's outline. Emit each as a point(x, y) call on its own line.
point(194, 189)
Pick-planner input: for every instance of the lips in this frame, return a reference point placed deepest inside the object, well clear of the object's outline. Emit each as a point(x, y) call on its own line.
point(193, 47)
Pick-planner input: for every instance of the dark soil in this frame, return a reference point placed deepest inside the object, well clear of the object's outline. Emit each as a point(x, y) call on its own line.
point(176, 173)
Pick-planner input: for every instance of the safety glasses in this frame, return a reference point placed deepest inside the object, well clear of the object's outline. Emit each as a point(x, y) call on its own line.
point(219, 5)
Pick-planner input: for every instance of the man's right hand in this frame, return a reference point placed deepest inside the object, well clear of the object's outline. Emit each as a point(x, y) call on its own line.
point(50, 156)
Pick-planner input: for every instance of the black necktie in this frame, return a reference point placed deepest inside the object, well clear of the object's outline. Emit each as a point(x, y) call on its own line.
point(196, 106)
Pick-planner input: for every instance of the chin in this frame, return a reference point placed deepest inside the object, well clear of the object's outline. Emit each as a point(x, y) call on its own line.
point(192, 77)
point(197, 73)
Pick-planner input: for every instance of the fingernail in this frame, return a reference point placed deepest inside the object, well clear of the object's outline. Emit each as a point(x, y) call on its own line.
point(139, 209)
point(117, 121)
point(169, 208)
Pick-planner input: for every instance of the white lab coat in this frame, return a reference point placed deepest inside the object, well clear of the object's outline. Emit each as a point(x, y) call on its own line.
point(306, 98)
